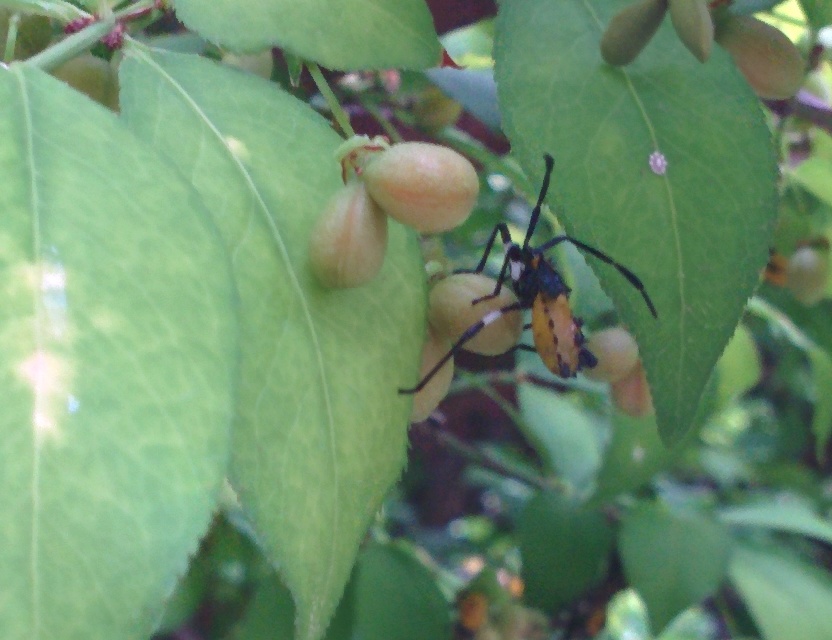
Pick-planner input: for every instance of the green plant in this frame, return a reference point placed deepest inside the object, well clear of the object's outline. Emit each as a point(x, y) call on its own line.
point(162, 329)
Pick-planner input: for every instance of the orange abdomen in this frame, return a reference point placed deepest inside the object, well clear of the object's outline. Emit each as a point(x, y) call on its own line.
point(557, 336)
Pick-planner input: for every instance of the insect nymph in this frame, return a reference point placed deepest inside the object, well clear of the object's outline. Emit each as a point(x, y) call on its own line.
point(558, 337)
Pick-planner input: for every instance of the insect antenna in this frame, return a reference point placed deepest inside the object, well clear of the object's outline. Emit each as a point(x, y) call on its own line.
point(544, 188)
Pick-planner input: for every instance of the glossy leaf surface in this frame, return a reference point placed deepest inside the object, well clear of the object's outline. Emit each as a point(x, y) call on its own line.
point(118, 343)
point(321, 429)
point(696, 230)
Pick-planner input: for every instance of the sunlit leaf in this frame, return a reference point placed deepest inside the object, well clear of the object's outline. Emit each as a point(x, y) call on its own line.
point(118, 338)
point(321, 429)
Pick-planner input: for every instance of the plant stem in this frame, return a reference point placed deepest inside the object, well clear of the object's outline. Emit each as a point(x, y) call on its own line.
point(378, 116)
point(485, 459)
point(332, 101)
point(72, 45)
point(11, 37)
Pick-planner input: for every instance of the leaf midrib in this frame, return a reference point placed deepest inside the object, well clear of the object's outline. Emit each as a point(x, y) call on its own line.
point(139, 51)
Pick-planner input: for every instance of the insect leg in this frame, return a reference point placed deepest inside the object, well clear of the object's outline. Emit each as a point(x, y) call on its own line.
point(544, 188)
point(468, 335)
point(632, 278)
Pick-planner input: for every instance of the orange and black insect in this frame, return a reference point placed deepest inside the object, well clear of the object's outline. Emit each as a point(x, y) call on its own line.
point(558, 337)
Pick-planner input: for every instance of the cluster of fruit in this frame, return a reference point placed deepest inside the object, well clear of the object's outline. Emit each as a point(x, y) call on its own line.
point(770, 62)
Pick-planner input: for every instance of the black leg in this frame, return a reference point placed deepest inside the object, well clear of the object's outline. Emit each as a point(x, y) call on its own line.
point(468, 335)
point(544, 188)
point(624, 271)
point(505, 236)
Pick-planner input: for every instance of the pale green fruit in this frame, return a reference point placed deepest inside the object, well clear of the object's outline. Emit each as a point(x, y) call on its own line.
point(694, 26)
point(347, 245)
point(425, 186)
point(770, 62)
point(617, 354)
point(426, 400)
point(450, 312)
point(630, 30)
point(807, 273)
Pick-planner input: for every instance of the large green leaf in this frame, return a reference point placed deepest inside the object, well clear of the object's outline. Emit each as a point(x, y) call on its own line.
point(321, 430)
point(673, 560)
point(698, 234)
point(788, 599)
point(339, 34)
point(565, 549)
point(119, 342)
point(790, 517)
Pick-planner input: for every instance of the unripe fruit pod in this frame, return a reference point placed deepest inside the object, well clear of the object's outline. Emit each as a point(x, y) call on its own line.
point(425, 186)
point(92, 76)
point(630, 30)
point(631, 394)
point(807, 273)
point(426, 400)
point(770, 62)
point(434, 110)
point(347, 245)
point(693, 24)
point(451, 313)
point(617, 354)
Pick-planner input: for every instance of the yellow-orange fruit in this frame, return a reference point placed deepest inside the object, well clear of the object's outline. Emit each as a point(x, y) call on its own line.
point(693, 24)
point(426, 400)
point(807, 273)
point(630, 30)
point(617, 354)
point(451, 313)
point(770, 62)
point(631, 394)
point(347, 245)
point(92, 76)
point(434, 110)
point(425, 186)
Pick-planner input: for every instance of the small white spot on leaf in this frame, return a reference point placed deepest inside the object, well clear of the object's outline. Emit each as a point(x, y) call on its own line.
point(658, 163)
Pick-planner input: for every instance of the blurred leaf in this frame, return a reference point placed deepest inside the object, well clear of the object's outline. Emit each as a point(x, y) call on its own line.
point(788, 599)
point(739, 368)
point(788, 517)
point(471, 46)
point(321, 431)
point(815, 175)
point(396, 597)
point(565, 550)
point(474, 89)
point(270, 614)
point(673, 560)
point(339, 34)
point(634, 455)
point(691, 624)
point(627, 618)
point(818, 12)
point(564, 435)
point(822, 417)
point(699, 234)
point(120, 343)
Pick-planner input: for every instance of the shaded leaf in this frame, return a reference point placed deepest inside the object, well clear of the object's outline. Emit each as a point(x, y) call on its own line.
point(321, 430)
point(786, 597)
point(696, 235)
point(339, 34)
point(789, 517)
point(565, 550)
point(673, 560)
point(119, 344)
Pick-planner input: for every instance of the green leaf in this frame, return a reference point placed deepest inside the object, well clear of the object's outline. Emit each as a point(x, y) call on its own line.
point(397, 598)
point(673, 560)
point(818, 12)
point(691, 624)
point(634, 455)
point(339, 34)
point(119, 344)
point(789, 517)
point(787, 598)
point(321, 430)
point(815, 175)
point(822, 417)
point(699, 234)
point(564, 435)
point(739, 368)
point(565, 550)
point(270, 614)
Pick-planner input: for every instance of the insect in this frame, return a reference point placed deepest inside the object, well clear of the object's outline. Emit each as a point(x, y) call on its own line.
point(558, 337)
